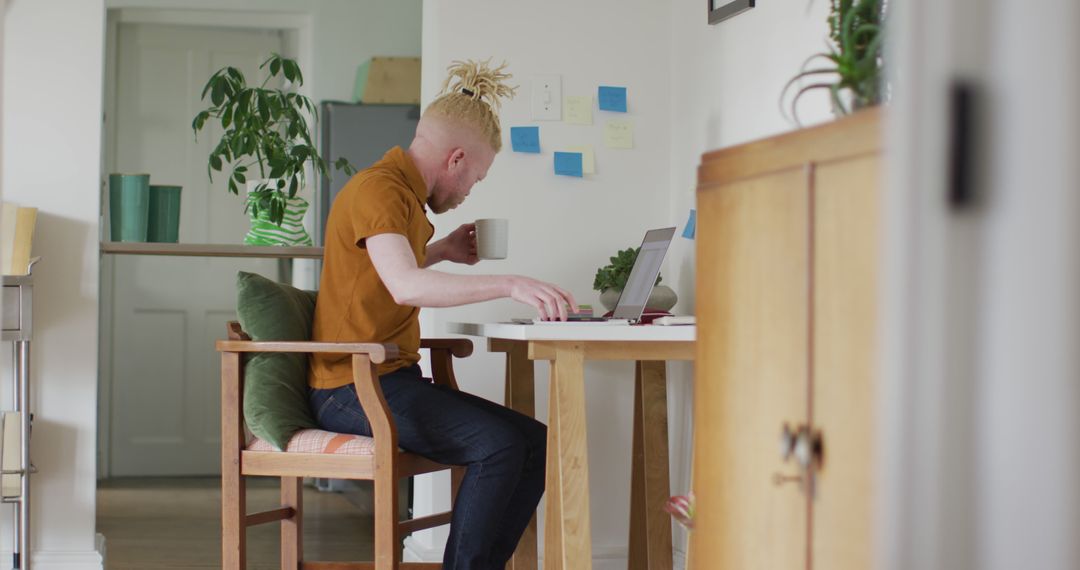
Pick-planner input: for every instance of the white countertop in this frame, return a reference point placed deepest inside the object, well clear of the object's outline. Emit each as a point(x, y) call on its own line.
point(575, 331)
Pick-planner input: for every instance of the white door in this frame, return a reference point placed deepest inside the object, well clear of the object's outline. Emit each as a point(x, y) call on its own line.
point(168, 311)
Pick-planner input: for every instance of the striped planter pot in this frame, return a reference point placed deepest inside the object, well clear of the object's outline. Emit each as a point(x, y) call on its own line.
point(290, 232)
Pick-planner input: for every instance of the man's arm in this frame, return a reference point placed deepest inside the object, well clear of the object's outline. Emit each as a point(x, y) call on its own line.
point(435, 253)
point(411, 285)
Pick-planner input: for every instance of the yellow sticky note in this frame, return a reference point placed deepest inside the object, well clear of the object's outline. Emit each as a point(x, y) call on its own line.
point(619, 134)
point(588, 158)
point(578, 110)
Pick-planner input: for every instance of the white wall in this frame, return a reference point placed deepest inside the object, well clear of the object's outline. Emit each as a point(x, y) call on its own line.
point(52, 140)
point(726, 81)
point(562, 229)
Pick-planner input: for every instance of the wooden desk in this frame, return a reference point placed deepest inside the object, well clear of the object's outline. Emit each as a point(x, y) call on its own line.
point(568, 544)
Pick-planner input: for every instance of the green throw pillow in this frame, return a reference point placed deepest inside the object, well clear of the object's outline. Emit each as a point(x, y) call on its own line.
point(275, 385)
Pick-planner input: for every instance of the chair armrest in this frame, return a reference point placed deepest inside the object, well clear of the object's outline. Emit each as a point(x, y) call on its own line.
point(378, 353)
point(459, 347)
point(443, 351)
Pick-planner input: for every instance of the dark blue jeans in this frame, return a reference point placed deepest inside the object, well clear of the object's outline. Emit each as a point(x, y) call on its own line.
point(504, 452)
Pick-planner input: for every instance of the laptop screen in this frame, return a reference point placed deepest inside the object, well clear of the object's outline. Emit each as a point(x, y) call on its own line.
point(643, 275)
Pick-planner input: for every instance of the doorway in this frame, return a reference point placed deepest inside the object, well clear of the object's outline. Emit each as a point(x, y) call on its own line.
point(160, 316)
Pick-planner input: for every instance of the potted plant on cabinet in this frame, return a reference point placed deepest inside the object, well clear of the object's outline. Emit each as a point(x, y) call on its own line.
point(266, 147)
point(611, 278)
point(853, 62)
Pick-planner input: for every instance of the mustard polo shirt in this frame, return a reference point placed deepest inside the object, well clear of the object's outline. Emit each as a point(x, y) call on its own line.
point(353, 304)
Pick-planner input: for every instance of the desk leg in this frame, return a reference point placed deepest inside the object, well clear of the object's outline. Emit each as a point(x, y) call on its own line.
point(650, 526)
point(568, 465)
point(521, 397)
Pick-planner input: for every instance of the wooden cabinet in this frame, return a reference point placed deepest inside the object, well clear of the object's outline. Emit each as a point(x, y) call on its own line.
point(787, 244)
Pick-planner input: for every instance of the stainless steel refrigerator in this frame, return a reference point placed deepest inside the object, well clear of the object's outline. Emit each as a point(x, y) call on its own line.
point(362, 134)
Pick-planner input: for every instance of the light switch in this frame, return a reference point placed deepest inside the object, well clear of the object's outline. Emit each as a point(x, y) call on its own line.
point(547, 98)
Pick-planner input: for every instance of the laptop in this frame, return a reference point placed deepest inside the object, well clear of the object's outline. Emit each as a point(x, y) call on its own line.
point(638, 286)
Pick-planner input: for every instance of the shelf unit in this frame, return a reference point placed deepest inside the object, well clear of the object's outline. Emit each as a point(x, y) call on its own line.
point(210, 250)
point(17, 317)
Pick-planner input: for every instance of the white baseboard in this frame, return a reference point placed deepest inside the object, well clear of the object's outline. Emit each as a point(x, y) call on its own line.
point(604, 557)
point(66, 560)
point(415, 551)
point(680, 561)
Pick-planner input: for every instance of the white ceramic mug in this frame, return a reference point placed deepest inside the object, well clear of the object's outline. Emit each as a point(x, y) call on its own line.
point(491, 238)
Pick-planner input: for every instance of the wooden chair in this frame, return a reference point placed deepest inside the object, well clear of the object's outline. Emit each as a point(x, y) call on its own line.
point(381, 461)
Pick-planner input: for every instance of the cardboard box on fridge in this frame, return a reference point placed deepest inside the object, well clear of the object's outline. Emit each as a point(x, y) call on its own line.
point(388, 80)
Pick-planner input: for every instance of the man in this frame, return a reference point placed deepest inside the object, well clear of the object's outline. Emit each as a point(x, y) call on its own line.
point(376, 277)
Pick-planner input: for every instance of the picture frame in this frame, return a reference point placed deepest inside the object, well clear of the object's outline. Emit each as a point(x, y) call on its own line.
point(720, 10)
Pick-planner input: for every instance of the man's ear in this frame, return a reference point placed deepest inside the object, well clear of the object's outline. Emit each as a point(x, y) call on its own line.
point(456, 157)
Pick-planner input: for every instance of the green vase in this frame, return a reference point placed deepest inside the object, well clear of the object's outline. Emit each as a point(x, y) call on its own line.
point(164, 216)
point(129, 206)
point(290, 232)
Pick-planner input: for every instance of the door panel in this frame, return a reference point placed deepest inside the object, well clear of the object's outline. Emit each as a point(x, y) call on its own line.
point(167, 311)
point(845, 329)
point(751, 373)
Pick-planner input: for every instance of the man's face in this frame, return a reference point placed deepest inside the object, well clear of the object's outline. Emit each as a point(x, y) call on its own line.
point(464, 168)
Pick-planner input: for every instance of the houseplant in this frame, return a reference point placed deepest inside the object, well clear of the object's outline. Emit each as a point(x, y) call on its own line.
point(265, 126)
point(611, 278)
point(852, 69)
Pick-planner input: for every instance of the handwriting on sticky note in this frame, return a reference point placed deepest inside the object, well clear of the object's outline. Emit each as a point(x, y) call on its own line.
point(578, 110)
point(691, 225)
point(525, 139)
point(619, 134)
point(588, 158)
point(568, 164)
point(612, 98)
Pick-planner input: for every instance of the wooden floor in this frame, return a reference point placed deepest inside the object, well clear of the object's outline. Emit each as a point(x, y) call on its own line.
point(160, 523)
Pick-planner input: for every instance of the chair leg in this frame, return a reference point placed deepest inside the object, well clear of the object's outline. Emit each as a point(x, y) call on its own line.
point(457, 474)
point(292, 531)
point(233, 527)
point(387, 543)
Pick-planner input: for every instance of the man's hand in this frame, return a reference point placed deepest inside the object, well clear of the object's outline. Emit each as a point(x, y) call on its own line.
point(550, 301)
point(460, 245)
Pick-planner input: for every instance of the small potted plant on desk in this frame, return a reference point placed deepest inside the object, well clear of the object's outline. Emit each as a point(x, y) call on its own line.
point(611, 278)
point(266, 127)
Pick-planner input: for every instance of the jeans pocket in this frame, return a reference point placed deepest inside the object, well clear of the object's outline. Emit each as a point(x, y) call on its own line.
point(320, 412)
point(345, 415)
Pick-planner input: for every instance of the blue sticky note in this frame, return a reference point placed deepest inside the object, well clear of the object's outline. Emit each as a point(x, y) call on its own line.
point(612, 99)
point(568, 164)
point(525, 139)
point(691, 226)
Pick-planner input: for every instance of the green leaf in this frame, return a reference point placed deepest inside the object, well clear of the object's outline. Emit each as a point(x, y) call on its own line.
point(243, 101)
point(293, 186)
point(345, 166)
point(217, 94)
point(215, 162)
point(239, 176)
point(226, 119)
point(264, 108)
point(275, 66)
point(292, 71)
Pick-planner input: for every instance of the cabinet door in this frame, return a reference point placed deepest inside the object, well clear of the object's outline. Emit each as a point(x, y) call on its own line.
point(845, 320)
point(751, 370)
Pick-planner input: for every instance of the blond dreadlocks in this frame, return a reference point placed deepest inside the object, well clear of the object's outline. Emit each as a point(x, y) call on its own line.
point(472, 94)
